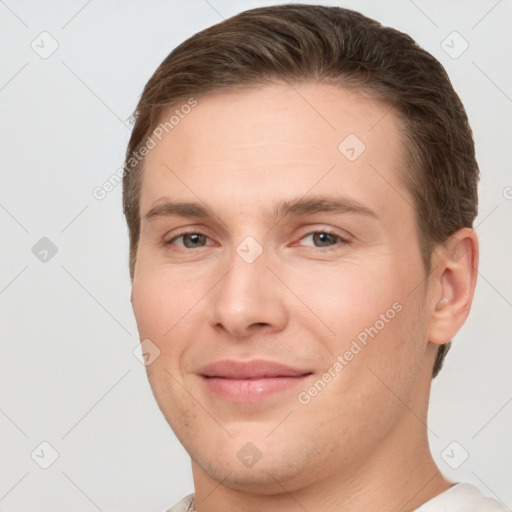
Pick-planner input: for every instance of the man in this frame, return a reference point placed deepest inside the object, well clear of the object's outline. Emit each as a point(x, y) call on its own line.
point(300, 188)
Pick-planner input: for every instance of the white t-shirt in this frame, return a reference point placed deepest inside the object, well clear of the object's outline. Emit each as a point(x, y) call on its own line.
point(461, 497)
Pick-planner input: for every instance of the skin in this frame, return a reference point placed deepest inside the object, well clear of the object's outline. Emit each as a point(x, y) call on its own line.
point(360, 443)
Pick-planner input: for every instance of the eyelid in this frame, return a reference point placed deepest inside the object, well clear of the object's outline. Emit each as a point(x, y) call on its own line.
point(343, 240)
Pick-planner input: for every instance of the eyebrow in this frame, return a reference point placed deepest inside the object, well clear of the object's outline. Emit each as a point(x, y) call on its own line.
point(321, 204)
point(295, 207)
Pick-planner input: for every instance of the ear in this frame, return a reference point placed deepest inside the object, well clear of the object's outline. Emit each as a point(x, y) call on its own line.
point(452, 284)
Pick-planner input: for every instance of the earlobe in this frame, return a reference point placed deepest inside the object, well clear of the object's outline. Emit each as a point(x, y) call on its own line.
point(455, 273)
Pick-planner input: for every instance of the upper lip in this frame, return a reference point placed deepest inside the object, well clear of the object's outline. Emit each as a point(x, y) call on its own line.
point(251, 369)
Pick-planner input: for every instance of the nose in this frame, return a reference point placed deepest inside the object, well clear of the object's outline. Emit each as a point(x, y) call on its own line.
point(248, 299)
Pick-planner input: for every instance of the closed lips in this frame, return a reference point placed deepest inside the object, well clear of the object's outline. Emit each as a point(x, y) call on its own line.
point(250, 370)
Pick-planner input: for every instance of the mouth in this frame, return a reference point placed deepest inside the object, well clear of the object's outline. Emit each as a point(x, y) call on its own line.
point(250, 381)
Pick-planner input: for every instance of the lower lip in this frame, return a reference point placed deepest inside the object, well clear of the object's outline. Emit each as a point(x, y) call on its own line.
point(250, 390)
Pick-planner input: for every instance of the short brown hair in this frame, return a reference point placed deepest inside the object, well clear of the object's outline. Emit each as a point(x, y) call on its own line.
point(299, 42)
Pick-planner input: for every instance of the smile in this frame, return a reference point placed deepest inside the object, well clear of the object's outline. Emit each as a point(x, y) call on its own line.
point(250, 381)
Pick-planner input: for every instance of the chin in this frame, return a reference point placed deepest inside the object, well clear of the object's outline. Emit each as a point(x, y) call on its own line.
point(263, 478)
point(276, 466)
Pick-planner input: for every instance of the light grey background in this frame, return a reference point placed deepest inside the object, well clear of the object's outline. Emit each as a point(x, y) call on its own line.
point(69, 376)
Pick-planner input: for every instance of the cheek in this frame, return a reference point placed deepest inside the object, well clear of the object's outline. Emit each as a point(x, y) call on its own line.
point(162, 314)
point(374, 324)
point(351, 299)
point(158, 304)
point(147, 306)
point(169, 307)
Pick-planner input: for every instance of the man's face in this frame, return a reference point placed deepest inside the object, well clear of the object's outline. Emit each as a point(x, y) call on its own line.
point(337, 296)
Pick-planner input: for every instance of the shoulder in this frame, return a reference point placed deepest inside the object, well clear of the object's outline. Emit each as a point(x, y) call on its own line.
point(462, 497)
point(183, 505)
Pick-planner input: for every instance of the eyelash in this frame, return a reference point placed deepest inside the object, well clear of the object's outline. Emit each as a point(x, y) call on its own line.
point(342, 241)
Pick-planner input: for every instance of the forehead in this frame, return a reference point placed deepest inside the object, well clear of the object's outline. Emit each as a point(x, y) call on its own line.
point(273, 140)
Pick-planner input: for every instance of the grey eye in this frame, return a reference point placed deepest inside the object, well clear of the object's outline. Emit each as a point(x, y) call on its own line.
point(324, 238)
point(193, 240)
